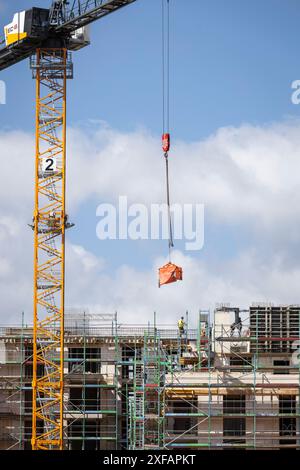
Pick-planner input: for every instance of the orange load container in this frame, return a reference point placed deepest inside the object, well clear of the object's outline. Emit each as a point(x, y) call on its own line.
point(169, 273)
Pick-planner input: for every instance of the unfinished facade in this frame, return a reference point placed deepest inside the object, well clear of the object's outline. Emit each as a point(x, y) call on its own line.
point(231, 382)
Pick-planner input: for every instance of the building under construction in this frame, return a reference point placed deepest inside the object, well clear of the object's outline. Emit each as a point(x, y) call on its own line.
point(230, 382)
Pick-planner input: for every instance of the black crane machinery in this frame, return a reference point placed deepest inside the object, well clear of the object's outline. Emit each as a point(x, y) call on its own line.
point(48, 36)
point(62, 25)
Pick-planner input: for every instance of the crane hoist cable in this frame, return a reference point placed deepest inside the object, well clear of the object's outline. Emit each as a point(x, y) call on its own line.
point(168, 273)
point(166, 140)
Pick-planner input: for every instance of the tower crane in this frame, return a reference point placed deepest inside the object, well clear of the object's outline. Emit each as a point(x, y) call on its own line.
point(48, 37)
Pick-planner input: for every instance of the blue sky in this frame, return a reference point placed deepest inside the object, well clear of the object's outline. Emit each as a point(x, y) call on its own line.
point(232, 65)
point(232, 62)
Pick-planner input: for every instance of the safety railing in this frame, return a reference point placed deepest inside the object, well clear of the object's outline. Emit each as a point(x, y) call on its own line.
point(104, 332)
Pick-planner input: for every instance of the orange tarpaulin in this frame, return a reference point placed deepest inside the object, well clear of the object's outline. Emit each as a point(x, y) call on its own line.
point(169, 273)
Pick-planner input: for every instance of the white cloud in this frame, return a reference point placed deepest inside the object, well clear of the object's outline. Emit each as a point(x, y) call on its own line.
point(247, 176)
point(17, 172)
point(88, 261)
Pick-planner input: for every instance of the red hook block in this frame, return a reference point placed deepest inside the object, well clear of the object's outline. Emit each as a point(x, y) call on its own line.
point(166, 142)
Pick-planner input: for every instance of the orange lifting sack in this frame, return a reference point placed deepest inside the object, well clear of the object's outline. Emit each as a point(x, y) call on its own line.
point(169, 273)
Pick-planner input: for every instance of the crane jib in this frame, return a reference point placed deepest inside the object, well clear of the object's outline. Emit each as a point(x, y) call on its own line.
point(61, 23)
point(84, 12)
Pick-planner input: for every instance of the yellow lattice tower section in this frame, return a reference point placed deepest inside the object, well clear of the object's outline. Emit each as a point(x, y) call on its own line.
point(51, 68)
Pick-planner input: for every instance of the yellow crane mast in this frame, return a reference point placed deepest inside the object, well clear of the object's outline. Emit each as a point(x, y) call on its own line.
point(51, 69)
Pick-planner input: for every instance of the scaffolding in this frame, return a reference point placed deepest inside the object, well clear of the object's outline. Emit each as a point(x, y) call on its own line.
point(154, 382)
point(216, 386)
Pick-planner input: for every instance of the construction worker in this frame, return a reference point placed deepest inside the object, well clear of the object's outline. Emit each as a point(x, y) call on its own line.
point(237, 324)
point(52, 220)
point(181, 326)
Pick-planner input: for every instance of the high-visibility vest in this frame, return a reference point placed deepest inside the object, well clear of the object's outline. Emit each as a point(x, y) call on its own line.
point(180, 324)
